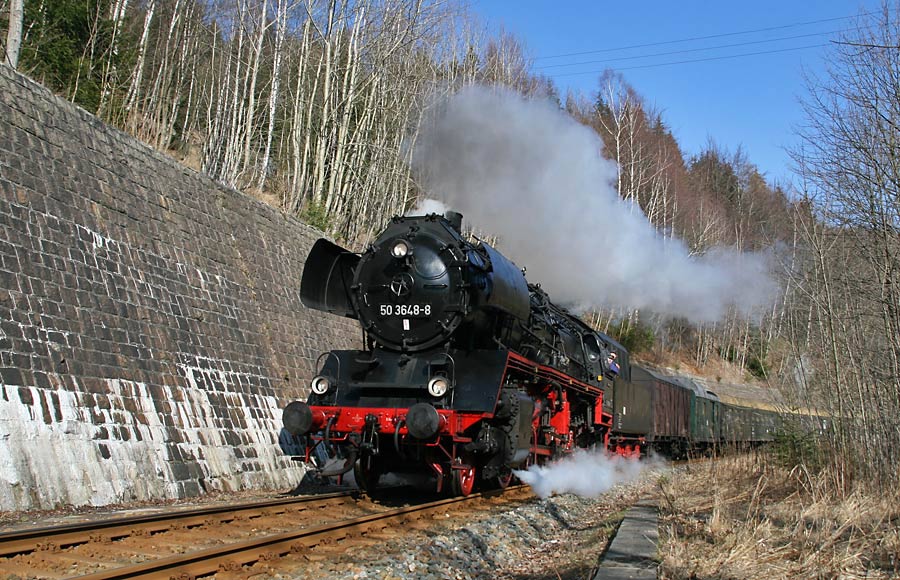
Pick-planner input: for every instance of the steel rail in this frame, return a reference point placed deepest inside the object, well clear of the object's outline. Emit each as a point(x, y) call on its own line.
point(25, 541)
point(234, 556)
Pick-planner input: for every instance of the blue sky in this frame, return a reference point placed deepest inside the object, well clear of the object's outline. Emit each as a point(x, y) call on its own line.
point(751, 101)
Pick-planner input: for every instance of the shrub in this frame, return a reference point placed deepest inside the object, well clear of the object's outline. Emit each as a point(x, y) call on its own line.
point(796, 445)
point(315, 215)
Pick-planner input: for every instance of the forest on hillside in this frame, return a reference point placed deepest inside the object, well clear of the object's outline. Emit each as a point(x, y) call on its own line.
point(314, 105)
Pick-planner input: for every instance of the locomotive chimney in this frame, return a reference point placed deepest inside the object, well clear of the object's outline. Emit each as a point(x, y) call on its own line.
point(455, 219)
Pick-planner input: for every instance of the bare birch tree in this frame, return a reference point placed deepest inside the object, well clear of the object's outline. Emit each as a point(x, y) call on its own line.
point(135, 85)
point(14, 33)
point(850, 158)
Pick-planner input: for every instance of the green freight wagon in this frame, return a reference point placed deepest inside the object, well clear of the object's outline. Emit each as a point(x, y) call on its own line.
point(746, 422)
point(705, 415)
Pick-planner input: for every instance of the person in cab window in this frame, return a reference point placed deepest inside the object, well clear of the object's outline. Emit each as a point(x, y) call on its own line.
point(612, 365)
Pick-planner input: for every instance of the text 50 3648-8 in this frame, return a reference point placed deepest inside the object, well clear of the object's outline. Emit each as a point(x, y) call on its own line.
point(410, 310)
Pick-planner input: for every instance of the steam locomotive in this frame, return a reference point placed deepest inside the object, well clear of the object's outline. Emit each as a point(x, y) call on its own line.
point(468, 371)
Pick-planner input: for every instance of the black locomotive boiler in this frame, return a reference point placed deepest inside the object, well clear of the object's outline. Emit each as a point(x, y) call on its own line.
point(468, 370)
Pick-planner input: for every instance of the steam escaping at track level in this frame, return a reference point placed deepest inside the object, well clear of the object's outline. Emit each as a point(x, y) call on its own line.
point(529, 173)
point(584, 473)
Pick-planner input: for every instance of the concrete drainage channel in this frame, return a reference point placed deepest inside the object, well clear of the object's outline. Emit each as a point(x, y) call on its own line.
point(632, 554)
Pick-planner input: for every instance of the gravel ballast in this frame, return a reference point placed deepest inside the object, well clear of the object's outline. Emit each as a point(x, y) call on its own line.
point(560, 537)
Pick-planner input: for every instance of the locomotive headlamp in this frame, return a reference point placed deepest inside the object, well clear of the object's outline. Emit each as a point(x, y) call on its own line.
point(400, 249)
point(320, 385)
point(437, 387)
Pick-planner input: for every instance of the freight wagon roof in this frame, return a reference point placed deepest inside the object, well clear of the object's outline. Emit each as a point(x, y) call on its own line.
point(755, 397)
point(742, 395)
point(694, 386)
point(750, 403)
point(746, 395)
point(750, 396)
point(683, 382)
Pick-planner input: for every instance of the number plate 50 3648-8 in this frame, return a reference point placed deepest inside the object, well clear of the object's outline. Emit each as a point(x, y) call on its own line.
point(405, 310)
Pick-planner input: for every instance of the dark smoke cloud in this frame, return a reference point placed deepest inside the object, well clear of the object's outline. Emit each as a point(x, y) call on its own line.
point(529, 173)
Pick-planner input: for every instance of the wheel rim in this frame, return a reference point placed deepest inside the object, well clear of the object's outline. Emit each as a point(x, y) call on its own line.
point(504, 479)
point(464, 480)
point(366, 474)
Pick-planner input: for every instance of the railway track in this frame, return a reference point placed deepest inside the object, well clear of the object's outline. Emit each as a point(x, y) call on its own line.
point(48, 538)
point(198, 543)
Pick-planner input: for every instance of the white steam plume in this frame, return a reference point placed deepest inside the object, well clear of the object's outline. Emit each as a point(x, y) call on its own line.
point(529, 173)
point(584, 473)
point(427, 206)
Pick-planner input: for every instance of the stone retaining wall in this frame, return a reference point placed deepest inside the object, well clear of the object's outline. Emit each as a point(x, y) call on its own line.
point(150, 323)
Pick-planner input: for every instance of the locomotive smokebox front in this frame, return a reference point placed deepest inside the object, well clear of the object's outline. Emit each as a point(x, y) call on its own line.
point(417, 284)
point(409, 288)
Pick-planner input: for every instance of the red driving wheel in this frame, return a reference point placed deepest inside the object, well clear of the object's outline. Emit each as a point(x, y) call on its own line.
point(463, 481)
point(504, 479)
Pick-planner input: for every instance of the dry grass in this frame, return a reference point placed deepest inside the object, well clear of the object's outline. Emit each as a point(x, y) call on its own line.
point(744, 517)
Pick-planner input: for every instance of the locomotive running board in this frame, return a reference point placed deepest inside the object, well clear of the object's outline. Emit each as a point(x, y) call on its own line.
point(521, 364)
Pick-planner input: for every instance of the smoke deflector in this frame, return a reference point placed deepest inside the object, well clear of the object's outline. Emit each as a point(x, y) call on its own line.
point(327, 277)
